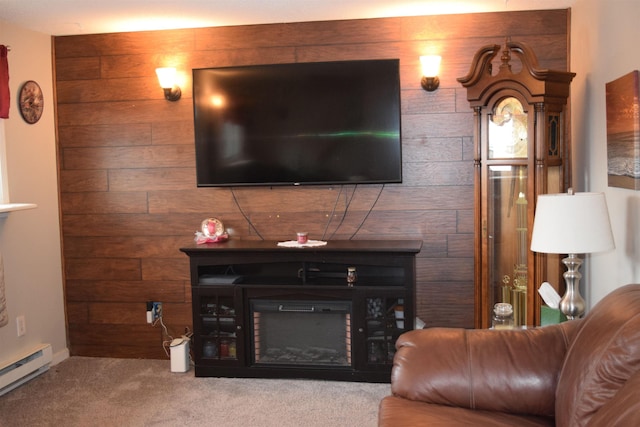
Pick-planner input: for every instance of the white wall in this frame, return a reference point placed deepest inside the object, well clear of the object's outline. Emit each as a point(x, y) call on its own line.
point(30, 239)
point(604, 46)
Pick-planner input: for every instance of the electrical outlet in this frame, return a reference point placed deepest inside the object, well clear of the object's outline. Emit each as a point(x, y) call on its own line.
point(21, 325)
point(149, 311)
point(156, 312)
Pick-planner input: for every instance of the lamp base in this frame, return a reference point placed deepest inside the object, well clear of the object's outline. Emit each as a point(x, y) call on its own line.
point(572, 304)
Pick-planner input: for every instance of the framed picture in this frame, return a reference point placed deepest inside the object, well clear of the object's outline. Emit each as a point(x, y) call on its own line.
point(623, 132)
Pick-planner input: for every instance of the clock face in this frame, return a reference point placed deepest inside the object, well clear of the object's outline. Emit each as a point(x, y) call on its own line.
point(31, 102)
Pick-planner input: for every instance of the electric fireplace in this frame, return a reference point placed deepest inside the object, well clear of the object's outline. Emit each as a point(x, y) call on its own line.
point(301, 332)
point(265, 311)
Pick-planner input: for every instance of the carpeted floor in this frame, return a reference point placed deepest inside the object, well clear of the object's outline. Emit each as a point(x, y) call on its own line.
point(84, 391)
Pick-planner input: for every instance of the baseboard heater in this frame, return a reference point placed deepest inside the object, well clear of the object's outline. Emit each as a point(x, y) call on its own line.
point(18, 371)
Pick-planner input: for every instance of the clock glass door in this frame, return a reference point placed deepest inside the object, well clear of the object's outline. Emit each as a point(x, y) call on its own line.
point(508, 241)
point(508, 171)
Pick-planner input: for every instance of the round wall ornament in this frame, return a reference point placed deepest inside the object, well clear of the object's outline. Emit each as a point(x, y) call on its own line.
point(31, 102)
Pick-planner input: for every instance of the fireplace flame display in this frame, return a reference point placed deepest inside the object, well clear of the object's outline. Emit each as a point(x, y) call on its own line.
point(301, 332)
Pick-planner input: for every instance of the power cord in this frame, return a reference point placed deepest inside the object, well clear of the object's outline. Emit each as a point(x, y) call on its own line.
point(245, 215)
point(165, 333)
point(348, 200)
point(346, 209)
point(368, 213)
point(166, 343)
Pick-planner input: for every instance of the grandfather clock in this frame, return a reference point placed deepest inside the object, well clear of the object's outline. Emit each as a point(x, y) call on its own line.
point(520, 151)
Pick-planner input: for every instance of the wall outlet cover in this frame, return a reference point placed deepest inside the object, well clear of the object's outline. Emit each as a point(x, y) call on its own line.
point(156, 311)
point(21, 325)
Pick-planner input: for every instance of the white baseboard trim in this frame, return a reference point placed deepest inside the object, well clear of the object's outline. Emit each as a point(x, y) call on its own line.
point(60, 356)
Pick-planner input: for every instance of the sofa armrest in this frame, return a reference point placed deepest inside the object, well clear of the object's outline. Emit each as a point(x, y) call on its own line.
point(499, 370)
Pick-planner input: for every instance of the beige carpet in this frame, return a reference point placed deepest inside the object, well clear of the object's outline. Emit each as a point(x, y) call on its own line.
point(84, 391)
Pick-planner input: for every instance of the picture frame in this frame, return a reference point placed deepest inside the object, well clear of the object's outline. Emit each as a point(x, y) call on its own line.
point(623, 131)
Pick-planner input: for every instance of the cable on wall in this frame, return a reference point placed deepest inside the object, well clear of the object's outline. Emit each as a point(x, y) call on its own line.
point(333, 211)
point(245, 215)
point(368, 213)
point(346, 209)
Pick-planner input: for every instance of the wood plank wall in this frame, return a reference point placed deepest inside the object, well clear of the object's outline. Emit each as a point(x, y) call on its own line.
point(127, 170)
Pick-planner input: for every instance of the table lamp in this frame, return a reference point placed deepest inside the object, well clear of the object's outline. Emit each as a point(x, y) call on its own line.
point(572, 224)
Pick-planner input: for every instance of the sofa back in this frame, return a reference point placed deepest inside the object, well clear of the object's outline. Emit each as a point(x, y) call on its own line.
point(602, 367)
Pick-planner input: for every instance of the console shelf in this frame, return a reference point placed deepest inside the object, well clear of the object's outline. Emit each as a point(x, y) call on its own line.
point(261, 310)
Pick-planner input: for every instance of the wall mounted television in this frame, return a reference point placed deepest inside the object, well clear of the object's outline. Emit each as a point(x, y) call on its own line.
point(297, 124)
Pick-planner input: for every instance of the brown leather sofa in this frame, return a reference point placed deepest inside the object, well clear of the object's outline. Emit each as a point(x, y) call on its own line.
point(583, 372)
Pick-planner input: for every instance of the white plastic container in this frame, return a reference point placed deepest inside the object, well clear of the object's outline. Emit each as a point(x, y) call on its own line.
point(180, 354)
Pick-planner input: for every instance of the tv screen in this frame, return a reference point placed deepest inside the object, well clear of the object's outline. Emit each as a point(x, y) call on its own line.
point(297, 124)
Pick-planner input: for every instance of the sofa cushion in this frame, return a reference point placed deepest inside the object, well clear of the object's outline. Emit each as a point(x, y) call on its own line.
point(508, 371)
point(399, 412)
point(603, 357)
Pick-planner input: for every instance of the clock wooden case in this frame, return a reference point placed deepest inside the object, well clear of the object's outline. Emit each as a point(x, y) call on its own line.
point(521, 150)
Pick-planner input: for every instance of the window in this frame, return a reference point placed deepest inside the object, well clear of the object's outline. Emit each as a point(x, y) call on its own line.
point(5, 203)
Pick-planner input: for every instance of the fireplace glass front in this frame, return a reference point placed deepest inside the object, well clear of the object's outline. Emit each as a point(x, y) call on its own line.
point(301, 332)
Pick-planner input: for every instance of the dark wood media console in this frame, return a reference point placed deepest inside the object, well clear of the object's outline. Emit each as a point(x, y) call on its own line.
point(261, 310)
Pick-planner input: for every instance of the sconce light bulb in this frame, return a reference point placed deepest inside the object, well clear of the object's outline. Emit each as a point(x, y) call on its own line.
point(430, 69)
point(167, 79)
point(430, 65)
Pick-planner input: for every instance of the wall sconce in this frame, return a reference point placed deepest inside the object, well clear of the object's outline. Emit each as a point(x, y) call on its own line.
point(430, 68)
point(167, 79)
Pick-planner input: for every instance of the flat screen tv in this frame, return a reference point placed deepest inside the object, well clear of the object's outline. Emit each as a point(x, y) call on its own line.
point(298, 124)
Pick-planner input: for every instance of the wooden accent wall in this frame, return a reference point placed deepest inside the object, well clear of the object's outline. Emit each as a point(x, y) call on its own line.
point(127, 169)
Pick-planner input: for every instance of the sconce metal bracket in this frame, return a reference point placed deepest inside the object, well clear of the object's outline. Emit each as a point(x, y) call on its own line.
point(172, 94)
point(430, 83)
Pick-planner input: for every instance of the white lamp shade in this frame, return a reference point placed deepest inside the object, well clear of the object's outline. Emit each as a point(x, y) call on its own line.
point(166, 77)
point(430, 65)
point(571, 224)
